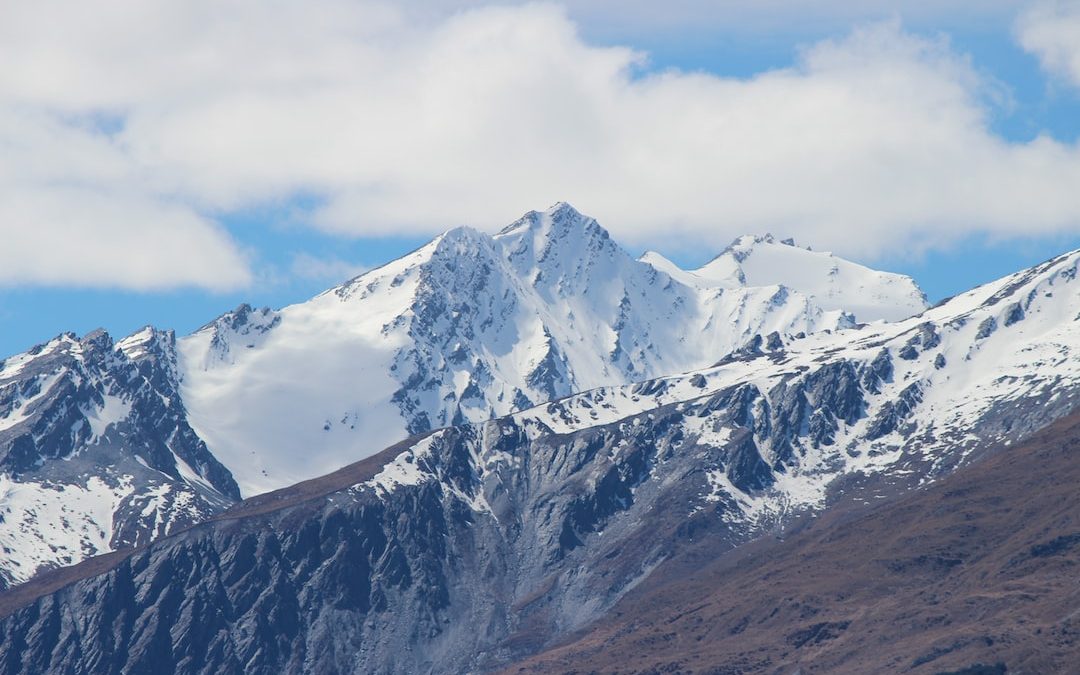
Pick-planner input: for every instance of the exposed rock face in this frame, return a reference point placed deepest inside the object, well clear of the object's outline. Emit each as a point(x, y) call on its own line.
point(474, 545)
point(96, 452)
point(974, 574)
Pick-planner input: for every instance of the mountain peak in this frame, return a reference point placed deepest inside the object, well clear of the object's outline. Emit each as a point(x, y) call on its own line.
point(564, 212)
point(751, 239)
point(462, 235)
point(563, 208)
point(832, 282)
point(743, 245)
point(148, 342)
point(561, 241)
point(559, 220)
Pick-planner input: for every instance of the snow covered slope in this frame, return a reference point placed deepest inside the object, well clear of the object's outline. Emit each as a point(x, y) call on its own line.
point(832, 283)
point(96, 452)
point(910, 400)
point(470, 327)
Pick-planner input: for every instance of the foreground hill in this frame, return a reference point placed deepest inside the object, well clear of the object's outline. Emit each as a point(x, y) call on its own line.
point(470, 547)
point(977, 569)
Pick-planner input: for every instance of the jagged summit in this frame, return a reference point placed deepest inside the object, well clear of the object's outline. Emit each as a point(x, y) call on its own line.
point(561, 218)
point(465, 328)
point(561, 222)
point(460, 235)
point(96, 451)
point(747, 241)
point(744, 246)
point(558, 243)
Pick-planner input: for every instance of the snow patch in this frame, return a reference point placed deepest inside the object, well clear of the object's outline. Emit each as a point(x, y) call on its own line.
point(45, 524)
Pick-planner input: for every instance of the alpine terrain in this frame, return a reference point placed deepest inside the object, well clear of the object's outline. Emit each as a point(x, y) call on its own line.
point(478, 546)
point(96, 452)
point(105, 444)
point(472, 327)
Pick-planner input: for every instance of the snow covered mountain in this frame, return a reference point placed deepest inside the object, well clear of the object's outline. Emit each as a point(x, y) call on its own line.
point(469, 547)
point(472, 326)
point(833, 283)
point(104, 446)
point(96, 452)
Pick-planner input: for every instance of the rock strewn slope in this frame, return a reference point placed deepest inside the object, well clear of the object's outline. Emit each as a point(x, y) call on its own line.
point(976, 570)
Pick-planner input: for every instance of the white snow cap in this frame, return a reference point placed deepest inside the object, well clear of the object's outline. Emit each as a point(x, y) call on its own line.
point(832, 283)
point(473, 326)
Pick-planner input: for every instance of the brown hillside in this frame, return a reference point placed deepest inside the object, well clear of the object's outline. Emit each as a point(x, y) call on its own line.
point(975, 574)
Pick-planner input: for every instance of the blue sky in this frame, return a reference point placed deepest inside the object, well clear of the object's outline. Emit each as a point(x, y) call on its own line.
point(149, 185)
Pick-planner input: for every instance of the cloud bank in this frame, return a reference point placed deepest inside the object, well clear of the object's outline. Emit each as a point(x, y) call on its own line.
point(1051, 31)
point(129, 126)
point(74, 210)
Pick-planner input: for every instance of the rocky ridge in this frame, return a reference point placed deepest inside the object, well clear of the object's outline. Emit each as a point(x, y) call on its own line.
point(96, 452)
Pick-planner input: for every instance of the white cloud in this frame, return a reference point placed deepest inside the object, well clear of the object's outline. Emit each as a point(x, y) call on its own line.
point(875, 141)
point(78, 237)
point(74, 210)
point(1051, 31)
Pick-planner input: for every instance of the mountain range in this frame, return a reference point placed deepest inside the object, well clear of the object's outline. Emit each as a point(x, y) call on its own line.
point(103, 444)
point(578, 445)
point(471, 327)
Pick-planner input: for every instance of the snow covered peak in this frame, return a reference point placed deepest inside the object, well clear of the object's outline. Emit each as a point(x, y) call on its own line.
point(560, 223)
point(462, 235)
point(747, 242)
point(148, 342)
point(560, 228)
point(562, 252)
point(831, 282)
point(559, 220)
point(455, 249)
point(465, 328)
